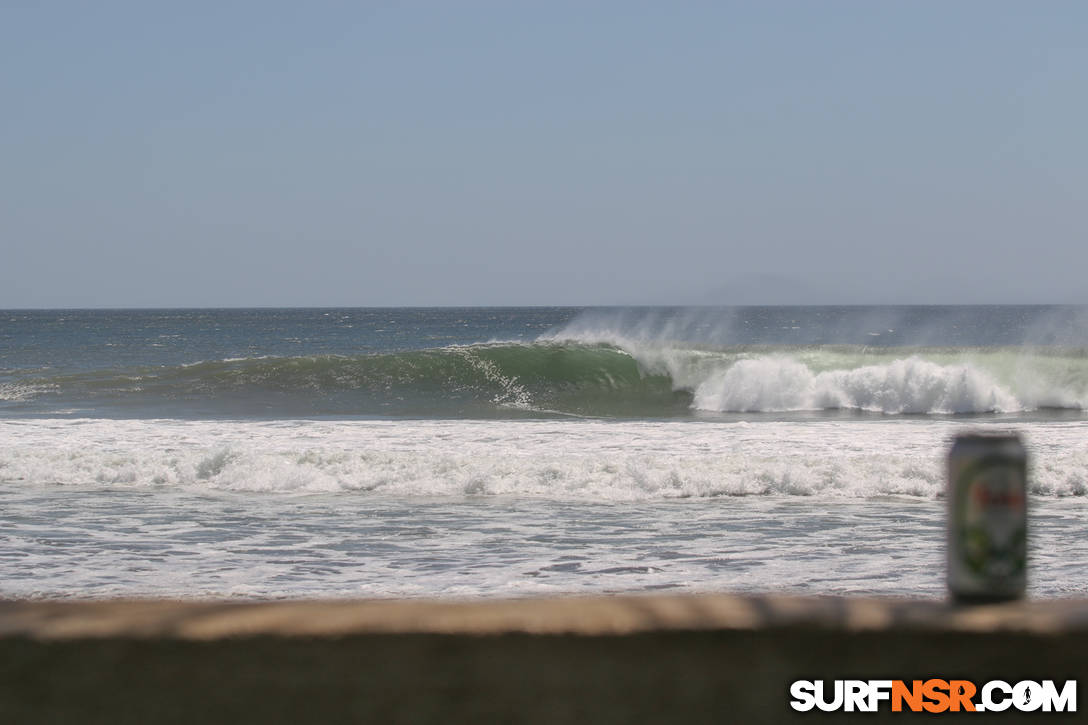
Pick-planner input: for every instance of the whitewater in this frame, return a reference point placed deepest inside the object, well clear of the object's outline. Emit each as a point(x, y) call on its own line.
point(483, 452)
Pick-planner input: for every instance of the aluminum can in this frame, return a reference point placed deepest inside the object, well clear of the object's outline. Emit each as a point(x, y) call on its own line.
point(987, 517)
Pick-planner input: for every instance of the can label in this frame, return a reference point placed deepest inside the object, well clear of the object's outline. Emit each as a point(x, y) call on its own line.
point(987, 537)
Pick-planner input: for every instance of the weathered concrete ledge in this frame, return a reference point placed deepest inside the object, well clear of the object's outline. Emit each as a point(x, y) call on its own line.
point(591, 616)
point(638, 659)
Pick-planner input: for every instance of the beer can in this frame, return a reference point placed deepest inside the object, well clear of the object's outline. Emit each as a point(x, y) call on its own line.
point(987, 517)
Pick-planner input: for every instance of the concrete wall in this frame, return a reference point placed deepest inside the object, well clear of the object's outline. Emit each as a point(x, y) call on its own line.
point(717, 659)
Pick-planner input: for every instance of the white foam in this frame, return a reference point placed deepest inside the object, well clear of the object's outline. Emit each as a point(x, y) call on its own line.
point(99, 508)
point(22, 391)
point(912, 385)
point(585, 460)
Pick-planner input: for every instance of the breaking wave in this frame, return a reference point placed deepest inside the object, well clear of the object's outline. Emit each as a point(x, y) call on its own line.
point(587, 377)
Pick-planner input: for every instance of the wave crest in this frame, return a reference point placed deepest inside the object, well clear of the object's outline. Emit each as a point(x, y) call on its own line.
point(910, 385)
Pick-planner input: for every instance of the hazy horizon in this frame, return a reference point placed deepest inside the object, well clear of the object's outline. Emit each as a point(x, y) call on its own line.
point(491, 154)
point(561, 306)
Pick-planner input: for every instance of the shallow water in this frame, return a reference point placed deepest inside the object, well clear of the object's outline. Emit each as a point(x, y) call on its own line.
point(502, 508)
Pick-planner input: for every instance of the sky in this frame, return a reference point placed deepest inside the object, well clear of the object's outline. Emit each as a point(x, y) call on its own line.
point(542, 153)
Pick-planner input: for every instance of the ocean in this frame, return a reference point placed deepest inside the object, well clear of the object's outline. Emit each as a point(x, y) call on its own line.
point(507, 452)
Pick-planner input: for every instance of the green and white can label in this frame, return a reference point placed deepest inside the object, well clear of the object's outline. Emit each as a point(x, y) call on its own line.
point(987, 517)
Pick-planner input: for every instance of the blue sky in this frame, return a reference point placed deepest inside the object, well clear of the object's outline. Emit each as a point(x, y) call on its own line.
point(490, 153)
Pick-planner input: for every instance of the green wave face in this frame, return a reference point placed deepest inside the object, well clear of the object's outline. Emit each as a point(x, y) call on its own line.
point(479, 380)
point(572, 378)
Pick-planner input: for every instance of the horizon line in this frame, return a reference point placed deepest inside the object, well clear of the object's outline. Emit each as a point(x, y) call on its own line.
point(113, 308)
